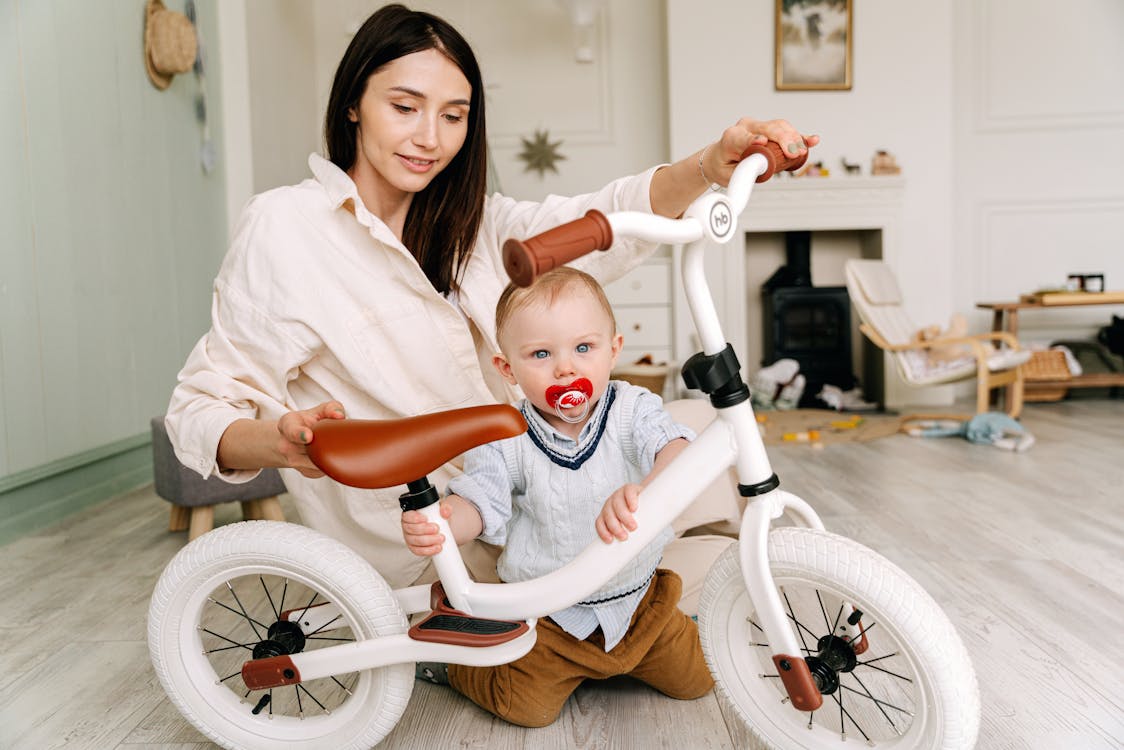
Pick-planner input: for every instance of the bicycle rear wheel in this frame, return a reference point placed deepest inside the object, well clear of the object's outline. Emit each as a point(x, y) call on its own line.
point(914, 686)
point(224, 594)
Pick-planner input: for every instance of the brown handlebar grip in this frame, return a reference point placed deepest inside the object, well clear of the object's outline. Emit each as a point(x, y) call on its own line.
point(526, 259)
point(778, 160)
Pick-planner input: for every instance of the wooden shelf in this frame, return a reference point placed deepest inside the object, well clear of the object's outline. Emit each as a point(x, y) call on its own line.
point(1093, 380)
point(1065, 299)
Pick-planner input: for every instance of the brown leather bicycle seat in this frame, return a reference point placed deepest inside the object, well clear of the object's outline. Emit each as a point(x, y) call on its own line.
point(373, 453)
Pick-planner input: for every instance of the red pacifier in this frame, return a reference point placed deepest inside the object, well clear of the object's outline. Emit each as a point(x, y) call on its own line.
point(571, 402)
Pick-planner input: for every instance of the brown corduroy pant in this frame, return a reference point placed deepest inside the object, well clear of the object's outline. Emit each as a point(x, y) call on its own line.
point(661, 649)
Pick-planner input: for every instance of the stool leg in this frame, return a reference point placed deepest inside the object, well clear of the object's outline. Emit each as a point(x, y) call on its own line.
point(202, 521)
point(270, 509)
point(178, 518)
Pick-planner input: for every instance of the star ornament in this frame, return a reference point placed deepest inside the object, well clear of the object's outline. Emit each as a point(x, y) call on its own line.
point(539, 154)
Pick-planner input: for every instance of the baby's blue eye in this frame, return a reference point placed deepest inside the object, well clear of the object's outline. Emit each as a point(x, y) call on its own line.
point(541, 354)
point(584, 348)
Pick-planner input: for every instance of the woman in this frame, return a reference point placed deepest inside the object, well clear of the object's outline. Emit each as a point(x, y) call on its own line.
point(373, 285)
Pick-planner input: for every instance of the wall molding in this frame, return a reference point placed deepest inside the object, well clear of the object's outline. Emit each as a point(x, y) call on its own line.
point(988, 120)
point(40, 496)
point(989, 213)
point(599, 126)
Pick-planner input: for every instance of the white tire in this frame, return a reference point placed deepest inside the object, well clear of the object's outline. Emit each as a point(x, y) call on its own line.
point(914, 686)
point(211, 606)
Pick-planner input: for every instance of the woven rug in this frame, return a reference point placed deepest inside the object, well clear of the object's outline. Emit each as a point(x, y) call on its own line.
point(825, 427)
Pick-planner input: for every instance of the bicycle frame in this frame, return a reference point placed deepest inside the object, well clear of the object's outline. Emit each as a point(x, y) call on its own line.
point(731, 440)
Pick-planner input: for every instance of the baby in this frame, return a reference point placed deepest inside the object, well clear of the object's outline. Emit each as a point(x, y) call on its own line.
point(542, 495)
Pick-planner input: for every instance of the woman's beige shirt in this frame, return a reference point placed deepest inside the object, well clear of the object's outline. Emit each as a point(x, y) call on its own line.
point(318, 300)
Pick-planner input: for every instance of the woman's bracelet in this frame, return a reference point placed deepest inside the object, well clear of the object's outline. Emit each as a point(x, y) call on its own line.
point(714, 186)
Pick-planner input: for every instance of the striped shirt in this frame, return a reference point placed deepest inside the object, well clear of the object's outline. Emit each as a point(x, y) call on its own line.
point(540, 493)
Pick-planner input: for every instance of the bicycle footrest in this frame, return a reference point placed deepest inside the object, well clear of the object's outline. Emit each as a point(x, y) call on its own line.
point(447, 625)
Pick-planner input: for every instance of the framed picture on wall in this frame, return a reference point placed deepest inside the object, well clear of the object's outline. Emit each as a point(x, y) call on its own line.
point(813, 47)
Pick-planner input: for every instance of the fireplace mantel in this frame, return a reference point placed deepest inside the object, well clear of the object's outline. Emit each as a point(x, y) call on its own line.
point(820, 203)
point(869, 204)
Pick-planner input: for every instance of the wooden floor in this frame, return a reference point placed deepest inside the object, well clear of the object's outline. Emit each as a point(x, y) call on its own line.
point(1024, 551)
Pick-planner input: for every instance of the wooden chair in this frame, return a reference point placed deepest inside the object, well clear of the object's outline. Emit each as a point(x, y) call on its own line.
point(876, 296)
point(194, 499)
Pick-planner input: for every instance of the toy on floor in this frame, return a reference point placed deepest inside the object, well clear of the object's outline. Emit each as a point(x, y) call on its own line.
point(991, 428)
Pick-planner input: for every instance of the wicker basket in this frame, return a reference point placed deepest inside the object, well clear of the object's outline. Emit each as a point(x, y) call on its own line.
point(1045, 366)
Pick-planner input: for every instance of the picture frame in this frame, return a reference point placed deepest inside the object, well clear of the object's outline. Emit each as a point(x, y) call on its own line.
point(813, 45)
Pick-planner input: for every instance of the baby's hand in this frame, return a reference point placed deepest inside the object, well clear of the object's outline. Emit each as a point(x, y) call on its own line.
point(616, 520)
point(422, 536)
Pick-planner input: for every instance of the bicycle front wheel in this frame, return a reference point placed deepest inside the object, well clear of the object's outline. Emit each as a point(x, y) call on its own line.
point(913, 687)
point(225, 594)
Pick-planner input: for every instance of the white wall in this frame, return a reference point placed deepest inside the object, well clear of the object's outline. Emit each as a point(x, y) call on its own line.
point(110, 230)
point(282, 73)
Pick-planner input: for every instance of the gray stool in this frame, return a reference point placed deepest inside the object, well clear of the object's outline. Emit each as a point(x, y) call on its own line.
point(194, 499)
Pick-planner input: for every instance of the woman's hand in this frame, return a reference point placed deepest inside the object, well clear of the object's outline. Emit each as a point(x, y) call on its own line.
point(675, 186)
point(295, 433)
point(422, 536)
point(616, 519)
point(719, 159)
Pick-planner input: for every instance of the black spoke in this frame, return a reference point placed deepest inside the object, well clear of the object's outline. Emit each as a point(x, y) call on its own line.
point(300, 707)
point(227, 648)
point(877, 658)
point(310, 601)
point(236, 643)
point(234, 674)
point(244, 614)
point(802, 627)
point(329, 622)
point(799, 625)
point(870, 695)
point(276, 615)
point(877, 702)
point(326, 638)
point(844, 712)
point(823, 610)
point(342, 686)
point(892, 674)
point(313, 697)
point(842, 722)
point(240, 614)
point(281, 606)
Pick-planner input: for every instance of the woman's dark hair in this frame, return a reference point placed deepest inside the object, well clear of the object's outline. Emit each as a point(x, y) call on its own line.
point(444, 218)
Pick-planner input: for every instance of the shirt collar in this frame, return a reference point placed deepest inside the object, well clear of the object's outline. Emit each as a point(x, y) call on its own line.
point(342, 192)
point(337, 183)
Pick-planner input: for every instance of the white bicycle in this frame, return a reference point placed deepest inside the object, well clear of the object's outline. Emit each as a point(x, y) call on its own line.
point(269, 635)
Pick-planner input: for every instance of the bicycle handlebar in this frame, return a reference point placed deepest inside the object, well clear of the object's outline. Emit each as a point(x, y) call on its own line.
point(526, 259)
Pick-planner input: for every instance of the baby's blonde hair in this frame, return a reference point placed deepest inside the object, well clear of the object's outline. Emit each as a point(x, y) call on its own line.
point(546, 289)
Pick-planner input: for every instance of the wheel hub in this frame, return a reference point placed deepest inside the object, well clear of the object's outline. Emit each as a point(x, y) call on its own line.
point(834, 655)
point(283, 638)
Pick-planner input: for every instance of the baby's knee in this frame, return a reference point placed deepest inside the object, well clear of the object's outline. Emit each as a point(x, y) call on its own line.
point(692, 686)
point(501, 691)
point(530, 716)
